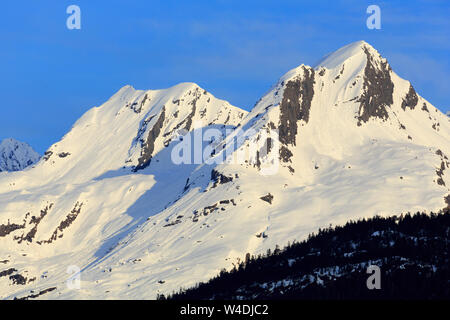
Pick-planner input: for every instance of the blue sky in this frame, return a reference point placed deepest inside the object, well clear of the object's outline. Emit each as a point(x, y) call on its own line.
point(51, 75)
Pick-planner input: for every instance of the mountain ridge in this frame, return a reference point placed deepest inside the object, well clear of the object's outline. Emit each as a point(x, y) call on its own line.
point(326, 144)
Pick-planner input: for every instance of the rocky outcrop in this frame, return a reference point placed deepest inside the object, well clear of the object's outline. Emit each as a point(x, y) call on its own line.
point(411, 99)
point(149, 145)
point(378, 89)
point(295, 105)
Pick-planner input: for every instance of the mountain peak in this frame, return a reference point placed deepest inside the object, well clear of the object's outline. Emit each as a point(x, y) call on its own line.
point(16, 155)
point(128, 91)
point(356, 51)
point(8, 141)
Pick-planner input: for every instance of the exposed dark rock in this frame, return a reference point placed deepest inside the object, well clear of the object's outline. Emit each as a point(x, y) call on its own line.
point(441, 154)
point(137, 108)
point(295, 105)
point(219, 178)
point(440, 173)
point(8, 272)
point(436, 126)
point(440, 182)
point(31, 234)
point(285, 154)
point(6, 229)
point(186, 186)
point(149, 145)
point(411, 99)
point(268, 145)
point(227, 119)
point(187, 122)
point(63, 154)
point(65, 223)
point(258, 160)
point(18, 279)
point(47, 155)
point(268, 198)
point(340, 73)
point(32, 296)
point(262, 235)
point(197, 95)
point(172, 223)
point(272, 125)
point(424, 107)
point(378, 89)
point(209, 209)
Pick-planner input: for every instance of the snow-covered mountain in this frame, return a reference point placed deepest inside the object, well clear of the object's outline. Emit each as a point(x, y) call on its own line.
point(16, 155)
point(354, 140)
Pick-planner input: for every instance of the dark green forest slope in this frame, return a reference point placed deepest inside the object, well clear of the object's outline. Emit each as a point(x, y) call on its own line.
point(411, 251)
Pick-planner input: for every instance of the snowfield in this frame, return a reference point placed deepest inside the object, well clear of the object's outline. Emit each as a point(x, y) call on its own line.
point(355, 140)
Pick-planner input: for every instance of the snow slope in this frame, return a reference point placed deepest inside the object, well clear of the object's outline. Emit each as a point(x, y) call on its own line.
point(355, 140)
point(16, 155)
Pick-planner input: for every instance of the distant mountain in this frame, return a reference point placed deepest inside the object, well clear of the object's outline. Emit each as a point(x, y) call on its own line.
point(411, 252)
point(16, 155)
point(133, 194)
